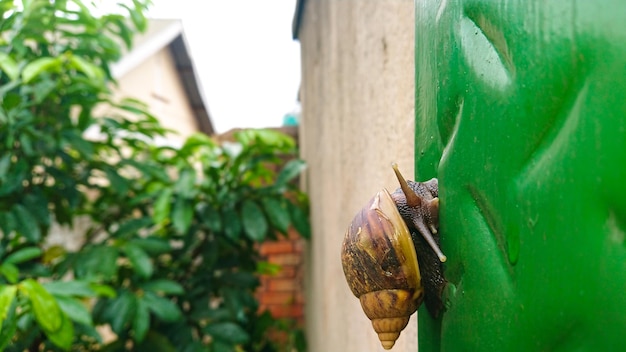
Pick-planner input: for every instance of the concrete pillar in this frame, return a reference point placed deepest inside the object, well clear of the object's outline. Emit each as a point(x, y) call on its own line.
point(357, 118)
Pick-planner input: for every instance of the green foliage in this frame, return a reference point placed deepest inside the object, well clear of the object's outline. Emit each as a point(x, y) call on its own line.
point(170, 261)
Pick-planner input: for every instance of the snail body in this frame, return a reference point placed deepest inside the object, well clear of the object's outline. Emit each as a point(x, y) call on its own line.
point(379, 255)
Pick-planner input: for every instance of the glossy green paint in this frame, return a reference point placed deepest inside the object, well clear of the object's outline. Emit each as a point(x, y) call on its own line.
point(521, 113)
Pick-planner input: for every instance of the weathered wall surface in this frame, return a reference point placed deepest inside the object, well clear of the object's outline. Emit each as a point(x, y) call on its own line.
point(357, 117)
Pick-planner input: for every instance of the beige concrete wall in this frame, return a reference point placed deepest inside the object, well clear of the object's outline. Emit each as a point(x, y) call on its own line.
point(357, 117)
point(156, 83)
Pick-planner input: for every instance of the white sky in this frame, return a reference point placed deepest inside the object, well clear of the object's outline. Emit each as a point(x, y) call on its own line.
point(246, 60)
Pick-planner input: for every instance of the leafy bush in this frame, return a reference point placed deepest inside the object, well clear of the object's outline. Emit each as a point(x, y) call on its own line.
point(169, 261)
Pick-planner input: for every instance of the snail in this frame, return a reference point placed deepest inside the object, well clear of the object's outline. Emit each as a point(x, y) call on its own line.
point(380, 256)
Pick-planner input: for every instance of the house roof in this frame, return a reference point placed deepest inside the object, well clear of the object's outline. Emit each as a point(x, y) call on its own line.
point(297, 18)
point(163, 33)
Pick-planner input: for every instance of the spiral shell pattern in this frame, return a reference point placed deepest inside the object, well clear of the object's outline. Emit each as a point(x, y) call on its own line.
point(381, 268)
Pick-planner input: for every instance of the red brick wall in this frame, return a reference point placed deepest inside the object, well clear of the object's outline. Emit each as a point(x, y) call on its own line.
point(283, 294)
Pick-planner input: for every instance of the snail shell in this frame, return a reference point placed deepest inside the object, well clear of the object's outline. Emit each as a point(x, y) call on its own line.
point(381, 268)
point(379, 258)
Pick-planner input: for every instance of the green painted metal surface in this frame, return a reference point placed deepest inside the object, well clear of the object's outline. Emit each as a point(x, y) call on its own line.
point(521, 113)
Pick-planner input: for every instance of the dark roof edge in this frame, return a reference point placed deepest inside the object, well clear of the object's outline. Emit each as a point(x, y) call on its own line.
point(297, 19)
point(187, 73)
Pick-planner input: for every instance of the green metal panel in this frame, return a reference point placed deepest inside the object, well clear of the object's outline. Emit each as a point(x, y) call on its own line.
point(521, 113)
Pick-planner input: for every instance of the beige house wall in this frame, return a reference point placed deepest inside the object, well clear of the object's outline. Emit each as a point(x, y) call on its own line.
point(357, 118)
point(156, 83)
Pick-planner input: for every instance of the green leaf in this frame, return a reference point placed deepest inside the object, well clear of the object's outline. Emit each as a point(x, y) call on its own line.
point(277, 213)
point(118, 183)
point(149, 170)
point(300, 340)
point(186, 183)
point(138, 18)
point(10, 272)
point(9, 66)
point(13, 100)
point(23, 255)
point(163, 286)
point(292, 169)
point(42, 89)
point(220, 346)
point(97, 262)
point(8, 223)
point(254, 222)
point(103, 290)
point(37, 204)
point(265, 139)
point(85, 117)
point(267, 268)
point(7, 333)
point(195, 141)
point(70, 288)
point(5, 164)
point(182, 215)
point(15, 178)
point(7, 295)
point(300, 221)
point(75, 310)
point(214, 314)
point(212, 219)
point(131, 227)
point(64, 336)
point(139, 259)
point(76, 141)
point(227, 332)
point(163, 308)
point(90, 70)
point(162, 207)
point(26, 223)
point(88, 333)
point(26, 144)
point(122, 311)
point(240, 279)
point(10, 101)
point(232, 224)
point(155, 342)
point(152, 245)
point(141, 321)
point(43, 304)
point(52, 253)
point(37, 66)
point(134, 106)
